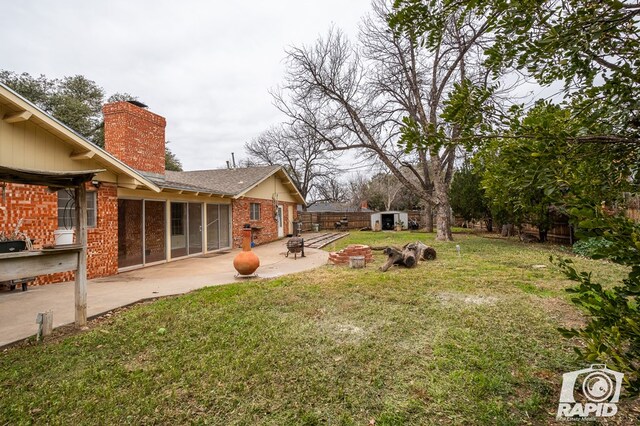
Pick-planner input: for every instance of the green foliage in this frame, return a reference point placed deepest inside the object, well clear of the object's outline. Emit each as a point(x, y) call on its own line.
point(467, 194)
point(469, 108)
point(612, 334)
point(37, 89)
point(581, 154)
point(539, 164)
point(76, 101)
point(590, 247)
point(590, 46)
point(171, 162)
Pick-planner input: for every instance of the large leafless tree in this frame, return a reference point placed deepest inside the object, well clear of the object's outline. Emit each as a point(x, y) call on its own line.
point(306, 158)
point(364, 97)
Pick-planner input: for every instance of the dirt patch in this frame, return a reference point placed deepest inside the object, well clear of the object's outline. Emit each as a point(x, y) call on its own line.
point(451, 298)
point(567, 315)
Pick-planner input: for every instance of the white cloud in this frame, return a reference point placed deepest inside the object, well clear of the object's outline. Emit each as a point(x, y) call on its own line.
point(206, 66)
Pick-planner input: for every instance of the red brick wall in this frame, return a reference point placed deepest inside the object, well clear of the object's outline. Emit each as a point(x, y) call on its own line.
point(135, 136)
point(267, 222)
point(102, 241)
point(39, 208)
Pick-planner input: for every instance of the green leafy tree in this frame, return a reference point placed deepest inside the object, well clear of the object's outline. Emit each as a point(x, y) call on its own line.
point(468, 196)
point(580, 155)
point(76, 101)
point(171, 162)
point(37, 89)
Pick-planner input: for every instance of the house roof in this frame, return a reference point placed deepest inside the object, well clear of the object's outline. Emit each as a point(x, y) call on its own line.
point(225, 182)
point(84, 148)
point(230, 182)
point(336, 208)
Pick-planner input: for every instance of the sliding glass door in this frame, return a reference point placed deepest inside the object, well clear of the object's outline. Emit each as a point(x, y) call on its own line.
point(186, 229)
point(218, 224)
point(178, 229)
point(195, 228)
point(225, 226)
point(213, 227)
point(141, 232)
point(154, 231)
point(130, 235)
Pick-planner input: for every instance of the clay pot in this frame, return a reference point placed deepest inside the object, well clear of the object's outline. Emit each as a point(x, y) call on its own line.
point(246, 262)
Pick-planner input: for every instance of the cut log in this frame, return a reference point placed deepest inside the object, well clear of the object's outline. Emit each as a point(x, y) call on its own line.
point(407, 256)
point(423, 251)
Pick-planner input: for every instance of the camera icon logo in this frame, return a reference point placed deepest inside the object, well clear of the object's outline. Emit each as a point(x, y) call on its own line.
point(600, 388)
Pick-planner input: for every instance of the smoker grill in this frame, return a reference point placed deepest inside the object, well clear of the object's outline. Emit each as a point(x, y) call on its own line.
point(295, 245)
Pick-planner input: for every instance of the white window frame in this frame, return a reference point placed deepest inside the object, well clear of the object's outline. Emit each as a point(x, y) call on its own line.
point(67, 197)
point(252, 212)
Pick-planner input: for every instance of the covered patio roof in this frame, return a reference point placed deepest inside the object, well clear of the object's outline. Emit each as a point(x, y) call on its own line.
point(52, 179)
point(71, 257)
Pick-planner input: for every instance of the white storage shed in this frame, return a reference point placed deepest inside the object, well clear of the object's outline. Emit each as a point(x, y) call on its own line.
point(388, 220)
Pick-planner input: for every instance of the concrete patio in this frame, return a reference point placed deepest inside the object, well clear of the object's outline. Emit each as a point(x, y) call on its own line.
point(18, 309)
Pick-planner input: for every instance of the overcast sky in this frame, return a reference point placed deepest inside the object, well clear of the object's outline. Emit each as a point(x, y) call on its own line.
point(205, 66)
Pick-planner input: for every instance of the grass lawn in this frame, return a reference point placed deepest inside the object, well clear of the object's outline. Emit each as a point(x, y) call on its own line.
point(459, 340)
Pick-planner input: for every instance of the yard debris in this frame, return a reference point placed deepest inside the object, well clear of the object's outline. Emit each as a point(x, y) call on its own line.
point(408, 255)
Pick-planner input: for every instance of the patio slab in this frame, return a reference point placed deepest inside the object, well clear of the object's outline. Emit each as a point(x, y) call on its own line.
point(18, 309)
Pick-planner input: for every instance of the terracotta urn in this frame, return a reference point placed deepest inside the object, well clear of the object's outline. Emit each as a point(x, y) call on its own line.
point(246, 262)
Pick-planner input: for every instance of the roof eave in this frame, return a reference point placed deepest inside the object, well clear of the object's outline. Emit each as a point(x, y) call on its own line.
point(69, 135)
point(280, 169)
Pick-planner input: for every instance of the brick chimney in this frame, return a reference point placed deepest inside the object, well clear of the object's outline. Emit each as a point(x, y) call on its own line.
point(135, 135)
point(364, 205)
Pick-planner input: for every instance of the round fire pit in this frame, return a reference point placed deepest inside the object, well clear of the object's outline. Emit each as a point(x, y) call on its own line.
point(295, 245)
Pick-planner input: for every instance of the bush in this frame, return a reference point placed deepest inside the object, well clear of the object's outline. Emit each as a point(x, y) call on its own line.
point(590, 247)
point(612, 333)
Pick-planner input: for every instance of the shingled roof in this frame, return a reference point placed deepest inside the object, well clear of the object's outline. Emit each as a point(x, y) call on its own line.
point(229, 182)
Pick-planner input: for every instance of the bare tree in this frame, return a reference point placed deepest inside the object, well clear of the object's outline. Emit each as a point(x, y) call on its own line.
point(386, 187)
point(331, 189)
point(365, 98)
point(299, 150)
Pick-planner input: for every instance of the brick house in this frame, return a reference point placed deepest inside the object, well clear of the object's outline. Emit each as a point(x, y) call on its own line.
point(139, 214)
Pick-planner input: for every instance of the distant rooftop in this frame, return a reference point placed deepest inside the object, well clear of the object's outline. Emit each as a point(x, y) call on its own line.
point(336, 208)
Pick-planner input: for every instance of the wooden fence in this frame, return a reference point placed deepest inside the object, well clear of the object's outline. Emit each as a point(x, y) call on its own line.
point(327, 220)
point(560, 231)
point(355, 220)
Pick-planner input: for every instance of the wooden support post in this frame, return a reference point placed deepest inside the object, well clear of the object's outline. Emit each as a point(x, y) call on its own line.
point(81, 272)
point(45, 324)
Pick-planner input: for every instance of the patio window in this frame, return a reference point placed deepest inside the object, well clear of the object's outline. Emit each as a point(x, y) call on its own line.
point(67, 209)
point(254, 209)
point(177, 219)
